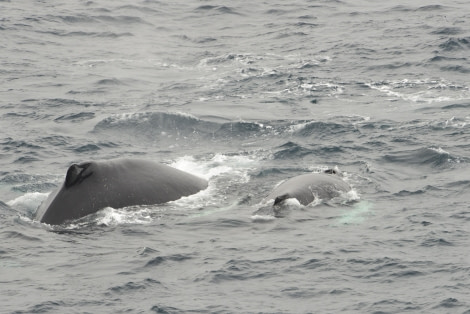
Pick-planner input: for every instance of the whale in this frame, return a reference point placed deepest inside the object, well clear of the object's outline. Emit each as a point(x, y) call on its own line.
point(94, 185)
point(305, 189)
point(308, 187)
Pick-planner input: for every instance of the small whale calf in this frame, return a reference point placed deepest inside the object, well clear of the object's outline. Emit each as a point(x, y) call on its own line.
point(305, 189)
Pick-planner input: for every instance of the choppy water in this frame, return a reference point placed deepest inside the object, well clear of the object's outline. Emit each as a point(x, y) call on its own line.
point(245, 94)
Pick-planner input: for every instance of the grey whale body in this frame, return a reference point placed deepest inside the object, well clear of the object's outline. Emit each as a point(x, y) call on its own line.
point(91, 186)
point(306, 188)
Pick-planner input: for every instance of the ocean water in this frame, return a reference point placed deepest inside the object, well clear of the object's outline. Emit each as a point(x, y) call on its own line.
point(245, 94)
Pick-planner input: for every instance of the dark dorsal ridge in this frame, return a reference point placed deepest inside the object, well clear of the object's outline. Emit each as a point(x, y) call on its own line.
point(76, 174)
point(280, 198)
point(330, 171)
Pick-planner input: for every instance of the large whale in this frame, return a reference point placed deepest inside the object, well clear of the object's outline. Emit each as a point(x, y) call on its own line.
point(305, 189)
point(91, 186)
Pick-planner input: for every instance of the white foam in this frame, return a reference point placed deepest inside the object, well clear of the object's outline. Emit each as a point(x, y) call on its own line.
point(28, 202)
point(262, 218)
point(357, 214)
point(452, 122)
point(323, 168)
point(317, 201)
point(431, 90)
point(351, 195)
point(202, 199)
point(439, 150)
point(450, 158)
point(218, 165)
point(111, 217)
point(292, 202)
point(297, 127)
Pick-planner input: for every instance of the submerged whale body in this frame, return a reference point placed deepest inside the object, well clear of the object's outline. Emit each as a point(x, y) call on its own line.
point(91, 186)
point(305, 188)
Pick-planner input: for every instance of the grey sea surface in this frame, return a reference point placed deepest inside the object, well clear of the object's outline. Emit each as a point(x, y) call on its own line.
point(245, 94)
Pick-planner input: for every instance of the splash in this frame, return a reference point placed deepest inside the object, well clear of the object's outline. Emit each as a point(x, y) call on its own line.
point(28, 202)
point(216, 166)
point(421, 90)
point(357, 215)
point(113, 217)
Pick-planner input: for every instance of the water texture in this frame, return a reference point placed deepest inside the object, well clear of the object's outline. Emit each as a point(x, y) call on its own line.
point(245, 94)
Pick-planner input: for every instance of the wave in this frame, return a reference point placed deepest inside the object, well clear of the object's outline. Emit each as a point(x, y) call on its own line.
point(447, 31)
point(432, 7)
point(422, 90)
point(11, 144)
point(155, 261)
point(456, 44)
point(451, 303)
point(244, 73)
point(112, 81)
point(324, 128)
point(286, 139)
point(436, 242)
point(22, 152)
point(291, 150)
point(140, 9)
point(168, 127)
point(87, 34)
point(73, 19)
point(58, 102)
point(180, 125)
point(433, 157)
point(122, 20)
point(440, 58)
point(217, 9)
point(237, 270)
point(133, 286)
point(156, 126)
point(75, 117)
point(18, 236)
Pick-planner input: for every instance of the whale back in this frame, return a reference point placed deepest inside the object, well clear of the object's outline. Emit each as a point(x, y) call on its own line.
point(307, 187)
point(91, 186)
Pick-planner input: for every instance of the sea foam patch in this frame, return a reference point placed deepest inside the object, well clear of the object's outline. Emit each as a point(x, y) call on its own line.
point(28, 202)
